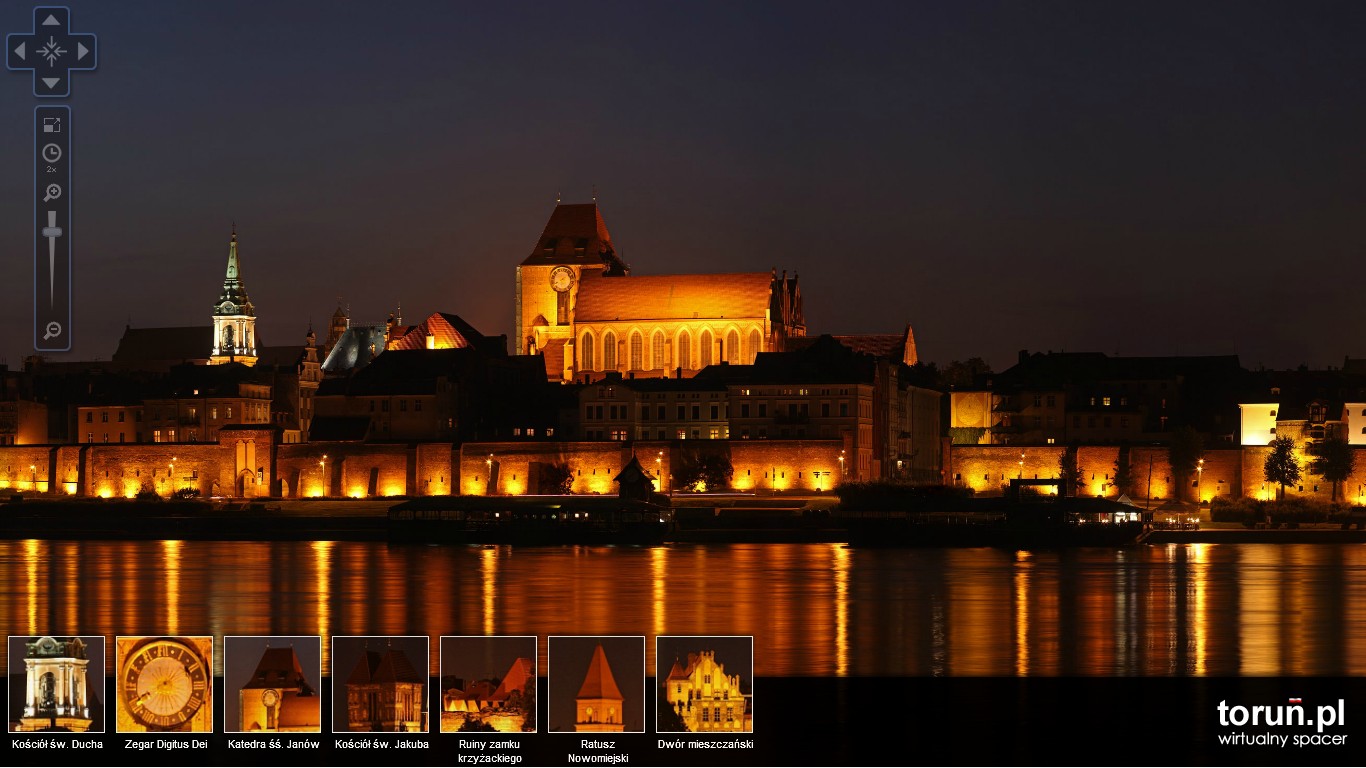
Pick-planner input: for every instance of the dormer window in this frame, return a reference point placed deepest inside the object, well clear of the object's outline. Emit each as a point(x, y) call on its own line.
point(549, 244)
point(1273, 413)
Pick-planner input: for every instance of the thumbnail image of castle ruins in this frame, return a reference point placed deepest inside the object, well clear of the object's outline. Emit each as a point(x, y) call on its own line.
point(475, 698)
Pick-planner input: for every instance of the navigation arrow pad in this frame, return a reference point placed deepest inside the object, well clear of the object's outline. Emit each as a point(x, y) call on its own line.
point(57, 50)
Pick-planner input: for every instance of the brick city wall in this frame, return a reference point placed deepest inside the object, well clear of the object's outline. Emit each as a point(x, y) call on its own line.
point(987, 469)
point(354, 469)
point(1310, 486)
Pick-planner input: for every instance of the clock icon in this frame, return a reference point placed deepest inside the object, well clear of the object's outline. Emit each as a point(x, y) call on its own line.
point(561, 279)
point(163, 683)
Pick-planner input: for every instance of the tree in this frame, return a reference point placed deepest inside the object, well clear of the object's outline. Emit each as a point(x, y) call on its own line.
point(1187, 447)
point(963, 373)
point(475, 725)
point(1124, 473)
point(1073, 476)
point(705, 472)
point(558, 478)
point(1334, 461)
point(1281, 465)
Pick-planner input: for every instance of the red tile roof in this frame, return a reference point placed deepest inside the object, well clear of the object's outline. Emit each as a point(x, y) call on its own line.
point(575, 234)
point(599, 683)
point(390, 667)
point(673, 297)
point(554, 358)
point(518, 678)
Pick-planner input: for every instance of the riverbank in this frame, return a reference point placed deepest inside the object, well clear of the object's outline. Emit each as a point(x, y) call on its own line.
point(367, 520)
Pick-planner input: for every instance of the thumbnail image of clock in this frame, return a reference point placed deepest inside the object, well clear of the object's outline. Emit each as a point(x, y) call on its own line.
point(165, 684)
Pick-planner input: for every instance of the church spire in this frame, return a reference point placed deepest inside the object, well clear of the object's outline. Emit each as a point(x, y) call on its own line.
point(234, 318)
point(232, 254)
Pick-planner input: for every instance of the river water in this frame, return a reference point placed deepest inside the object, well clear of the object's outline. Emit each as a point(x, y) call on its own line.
point(813, 609)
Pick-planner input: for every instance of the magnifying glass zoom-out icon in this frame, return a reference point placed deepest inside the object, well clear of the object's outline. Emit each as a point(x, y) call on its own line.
point(54, 329)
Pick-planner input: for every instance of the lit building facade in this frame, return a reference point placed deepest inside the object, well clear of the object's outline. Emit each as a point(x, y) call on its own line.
point(55, 692)
point(705, 698)
point(384, 694)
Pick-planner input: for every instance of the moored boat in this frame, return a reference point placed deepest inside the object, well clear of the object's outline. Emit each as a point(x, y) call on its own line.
point(1018, 520)
point(530, 520)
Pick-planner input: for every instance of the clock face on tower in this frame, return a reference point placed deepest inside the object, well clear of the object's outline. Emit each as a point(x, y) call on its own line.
point(163, 683)
point(270, 697)
point(561, 279)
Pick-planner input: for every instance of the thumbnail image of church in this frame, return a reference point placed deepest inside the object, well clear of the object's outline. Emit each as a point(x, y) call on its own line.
point(597, 684)
point(383, 691)
point(474, 700)
point(51, 685)
point(699, 693)
point(274, 693)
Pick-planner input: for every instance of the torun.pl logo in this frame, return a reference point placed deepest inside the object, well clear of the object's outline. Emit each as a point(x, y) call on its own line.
point(1291, 715)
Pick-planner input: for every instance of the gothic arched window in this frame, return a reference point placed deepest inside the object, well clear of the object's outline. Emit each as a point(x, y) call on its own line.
point(755, 344)
point(733, 347)
point(637, 352)
point(586, 353)
point(705, 356)
point(657, 351)
point(685, 351)
point(609, 351)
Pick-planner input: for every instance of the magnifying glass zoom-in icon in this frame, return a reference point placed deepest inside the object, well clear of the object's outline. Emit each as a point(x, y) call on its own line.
point(54, 191)
point(54, 329)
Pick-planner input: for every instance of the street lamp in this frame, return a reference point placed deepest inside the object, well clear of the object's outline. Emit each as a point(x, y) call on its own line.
point(1199, 480)
point(33, 468)
point(841, 466)
point(489, 463)
point(659, 468)
point(1021, 465)
point(170, 476)
point(322, 470)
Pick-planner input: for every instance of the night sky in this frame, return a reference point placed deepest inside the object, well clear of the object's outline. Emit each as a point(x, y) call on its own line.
point(484, 658)
point(1150, 178)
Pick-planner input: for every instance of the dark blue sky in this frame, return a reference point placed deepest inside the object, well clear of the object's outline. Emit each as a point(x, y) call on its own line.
point(1135, 178)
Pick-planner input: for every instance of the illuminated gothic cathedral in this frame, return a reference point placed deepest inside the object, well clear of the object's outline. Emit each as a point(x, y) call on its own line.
point(578, 304)
point(278, 697)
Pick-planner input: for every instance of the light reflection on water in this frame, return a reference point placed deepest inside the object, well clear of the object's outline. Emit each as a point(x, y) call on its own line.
point(813, 609)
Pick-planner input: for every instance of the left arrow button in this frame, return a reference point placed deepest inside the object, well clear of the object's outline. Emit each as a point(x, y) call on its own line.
point(20, 51)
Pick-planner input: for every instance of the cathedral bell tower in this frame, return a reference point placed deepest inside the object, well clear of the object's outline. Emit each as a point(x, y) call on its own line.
point(234, 318)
